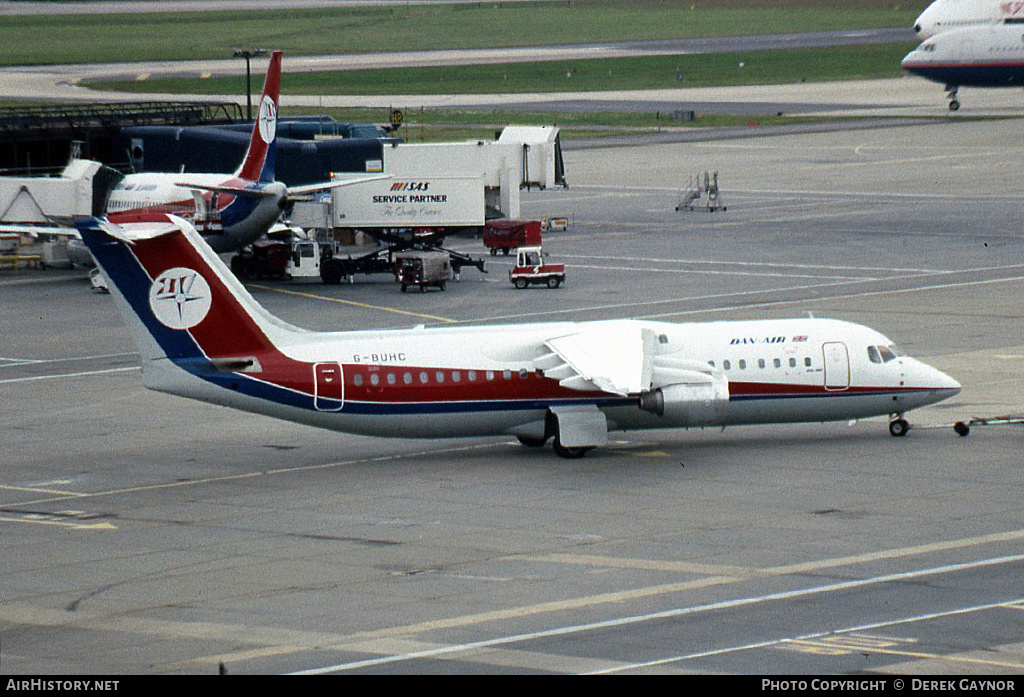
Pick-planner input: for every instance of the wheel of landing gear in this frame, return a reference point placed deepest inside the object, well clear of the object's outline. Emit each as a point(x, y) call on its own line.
point(954, 105)
point(898, 427)
point(961, 429)
point(532, 442)
point(569, 453)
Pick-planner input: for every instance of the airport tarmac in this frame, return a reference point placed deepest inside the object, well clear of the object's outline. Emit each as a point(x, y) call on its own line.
point(142, 533)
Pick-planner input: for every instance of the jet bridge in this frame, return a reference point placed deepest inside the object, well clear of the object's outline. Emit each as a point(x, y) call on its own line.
point(80, 190)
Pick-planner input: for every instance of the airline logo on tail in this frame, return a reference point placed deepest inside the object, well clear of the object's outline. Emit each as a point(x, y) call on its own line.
point(268, 119)
point(180, 298)
point(258, 164)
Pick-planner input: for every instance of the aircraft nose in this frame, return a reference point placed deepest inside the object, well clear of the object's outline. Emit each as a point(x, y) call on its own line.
point(910, 59)
point(929, 378)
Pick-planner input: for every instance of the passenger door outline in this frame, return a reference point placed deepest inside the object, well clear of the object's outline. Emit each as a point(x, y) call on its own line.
point(328, 386)
point(837, 366)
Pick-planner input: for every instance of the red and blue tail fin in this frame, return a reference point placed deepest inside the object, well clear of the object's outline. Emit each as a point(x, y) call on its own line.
point(177, 297)
point(260, 158)
point(200, 333)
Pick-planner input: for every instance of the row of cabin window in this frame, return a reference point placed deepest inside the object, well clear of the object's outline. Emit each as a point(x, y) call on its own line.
point(162, 207)
point(761, 363)
point(440, 377)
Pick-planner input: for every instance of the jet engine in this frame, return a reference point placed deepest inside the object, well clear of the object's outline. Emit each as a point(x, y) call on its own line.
point(686, 393)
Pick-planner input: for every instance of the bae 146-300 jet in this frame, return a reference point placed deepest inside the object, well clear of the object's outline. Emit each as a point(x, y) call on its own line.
point(201, 335)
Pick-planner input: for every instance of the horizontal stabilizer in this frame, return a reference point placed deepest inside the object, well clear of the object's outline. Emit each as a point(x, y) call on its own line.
point(133, 232)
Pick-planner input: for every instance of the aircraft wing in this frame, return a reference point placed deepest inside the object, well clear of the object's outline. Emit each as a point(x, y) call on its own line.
point(37, 230)
point(233, 190)
point(612, 357)
point(294, 191)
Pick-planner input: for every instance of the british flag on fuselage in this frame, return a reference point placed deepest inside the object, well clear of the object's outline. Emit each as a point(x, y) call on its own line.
point(229, 210)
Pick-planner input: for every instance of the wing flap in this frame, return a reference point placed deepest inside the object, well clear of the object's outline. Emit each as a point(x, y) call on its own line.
point(615, 357)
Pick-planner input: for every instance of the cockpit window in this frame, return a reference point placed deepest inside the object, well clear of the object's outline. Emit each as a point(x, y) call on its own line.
point(884, 354)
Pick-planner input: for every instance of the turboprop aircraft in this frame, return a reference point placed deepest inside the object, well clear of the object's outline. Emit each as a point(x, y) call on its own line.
point(944, 15)
point(982, 56)
point(201, 335)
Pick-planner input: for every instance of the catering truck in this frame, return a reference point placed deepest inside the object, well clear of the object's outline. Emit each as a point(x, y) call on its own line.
point(450, 203)
point(400, 213)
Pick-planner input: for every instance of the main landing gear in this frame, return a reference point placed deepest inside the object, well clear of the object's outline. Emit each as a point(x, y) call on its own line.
point(569, 453)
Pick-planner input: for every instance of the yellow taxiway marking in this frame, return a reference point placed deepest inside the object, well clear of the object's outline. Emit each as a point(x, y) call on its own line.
point(42, 489)
point(51, 520)
point(353, 303)
point(683, 567)
point(738, 573)
point(837, 646)
point(1010, 536)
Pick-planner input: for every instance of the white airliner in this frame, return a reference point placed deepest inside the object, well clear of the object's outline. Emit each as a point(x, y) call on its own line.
point(231, 210)
point(201, 335)
point(944, 15)
point(981, 56)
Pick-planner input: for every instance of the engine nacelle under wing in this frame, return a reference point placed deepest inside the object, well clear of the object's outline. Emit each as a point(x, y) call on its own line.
point(695, 399)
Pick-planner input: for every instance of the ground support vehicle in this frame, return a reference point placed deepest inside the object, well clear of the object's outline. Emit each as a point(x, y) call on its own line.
point(264, 258)
point(702, 194)
point(285, 252)
point(531, 269)
point(423, 269)
point(505, 235)
point(335, 269)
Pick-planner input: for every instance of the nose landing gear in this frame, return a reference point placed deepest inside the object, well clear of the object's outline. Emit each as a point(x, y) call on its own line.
point(898, 427)
point(951, 93)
